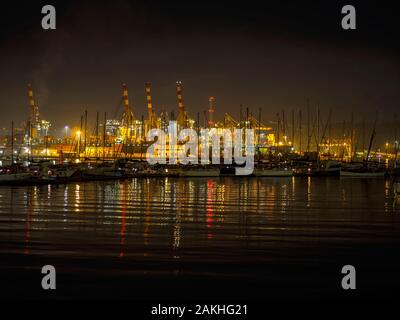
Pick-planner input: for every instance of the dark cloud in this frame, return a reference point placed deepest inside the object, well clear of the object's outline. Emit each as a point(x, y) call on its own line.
point(269, 56)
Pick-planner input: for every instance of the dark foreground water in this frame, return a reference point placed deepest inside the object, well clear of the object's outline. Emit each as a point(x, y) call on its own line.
point(201, 238)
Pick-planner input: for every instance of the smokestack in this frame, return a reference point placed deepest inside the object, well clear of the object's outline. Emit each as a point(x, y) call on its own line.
point(182, 120)
point(125, 98)
point(34, 107)
point(179, 88)
point(148, 97)
point(211, 110)
point(128, 114)
point(152, 116)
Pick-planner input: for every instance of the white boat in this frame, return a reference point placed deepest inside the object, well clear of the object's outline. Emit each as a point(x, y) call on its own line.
point(273, 172)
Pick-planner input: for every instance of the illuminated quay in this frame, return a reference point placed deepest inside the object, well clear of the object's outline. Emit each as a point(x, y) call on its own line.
point(291, 141)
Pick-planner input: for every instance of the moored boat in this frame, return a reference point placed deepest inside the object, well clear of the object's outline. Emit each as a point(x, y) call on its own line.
point(14, 175)
point(361, 170)
point(362, 174)
point(200, 171)
point(61, 173)
point(6, 178)
point(321, 168)
point(328, 168)
point(102, 171)
point(273, 172)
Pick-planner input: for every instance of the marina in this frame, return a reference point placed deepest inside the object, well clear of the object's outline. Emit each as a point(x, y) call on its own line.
point(46, 173)
point(161, 146)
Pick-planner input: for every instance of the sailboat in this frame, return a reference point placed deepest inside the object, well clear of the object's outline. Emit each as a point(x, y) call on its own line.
point(103, 170)
point(272, 170)
point(200, 171)
point(14, 174)
point(364, 169)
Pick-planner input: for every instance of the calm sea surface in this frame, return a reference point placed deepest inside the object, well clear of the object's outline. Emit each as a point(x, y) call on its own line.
point(198, 238)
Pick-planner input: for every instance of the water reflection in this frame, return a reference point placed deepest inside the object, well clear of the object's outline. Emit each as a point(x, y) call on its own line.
point(28, 221)
point(124, 196)
point(77, 197)
point(173, 218)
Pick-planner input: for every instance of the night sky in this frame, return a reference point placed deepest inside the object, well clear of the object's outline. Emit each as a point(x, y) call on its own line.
point(270, 56)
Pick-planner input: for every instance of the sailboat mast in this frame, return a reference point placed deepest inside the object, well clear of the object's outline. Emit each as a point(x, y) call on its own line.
point(283, 125)
point(308, 126)
point(97, 131)
point(396, 142)
point(293, 128)
point(198, 134)
point(80, 139)
point(259, 133)
point(104, 135)
point(352, 137)
point(318, 134)
point(372, 137)
point(329, 132)
point(84, 150)
point(343, 139)
point(12, 142)
point(300, 131)
point(278, 127)
point(363, 136)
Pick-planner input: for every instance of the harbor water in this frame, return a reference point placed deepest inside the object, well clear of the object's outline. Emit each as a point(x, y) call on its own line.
point(200, 238)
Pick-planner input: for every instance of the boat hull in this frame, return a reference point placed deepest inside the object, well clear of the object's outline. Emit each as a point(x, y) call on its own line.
point(317, 173)
point(327, 173)
point(15, 178)
point(272, 173)
point(351, 174)
point(200, 173)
